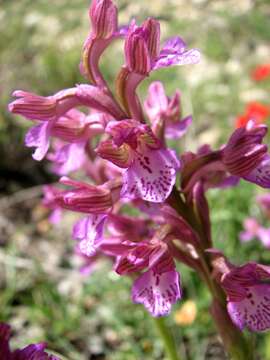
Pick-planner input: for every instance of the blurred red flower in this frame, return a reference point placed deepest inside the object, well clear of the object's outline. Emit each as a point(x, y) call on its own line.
point(254, 111)
point(261, 72)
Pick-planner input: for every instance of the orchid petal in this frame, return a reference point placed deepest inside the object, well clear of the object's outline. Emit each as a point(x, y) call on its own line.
point(156, 101)
point(38, 137)
point(254, 310)
point(188, 57)
point(261, 174)
point(176, 129)
point(68, 158)
point(151, 175)
point(157, 292)
point(121, 156)
point(89, 232)
point(173, 45)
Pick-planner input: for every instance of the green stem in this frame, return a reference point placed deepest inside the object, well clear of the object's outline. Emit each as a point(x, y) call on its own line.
point(167, 338)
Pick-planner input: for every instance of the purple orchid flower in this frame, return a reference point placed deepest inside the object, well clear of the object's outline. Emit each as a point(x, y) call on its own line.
point(245, 156)
point(97, 202)
point(158, 288)
point(151, 168)
point(165, 112)
point(51, 112)
point(152, 251)
point(248, 291)
point(30, 352)
point(248, 295)
point(142, 49)
point(143, 55)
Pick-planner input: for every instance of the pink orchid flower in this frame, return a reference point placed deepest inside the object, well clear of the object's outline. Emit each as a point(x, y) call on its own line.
point(151, 168)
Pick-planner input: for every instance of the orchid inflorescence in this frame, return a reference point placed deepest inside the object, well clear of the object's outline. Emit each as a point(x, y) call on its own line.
point(132, 167)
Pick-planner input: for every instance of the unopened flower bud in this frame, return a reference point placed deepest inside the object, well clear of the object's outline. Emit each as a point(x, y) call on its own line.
point(103, 16)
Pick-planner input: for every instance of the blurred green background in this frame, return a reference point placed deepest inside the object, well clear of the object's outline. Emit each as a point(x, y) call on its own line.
point(42, 294)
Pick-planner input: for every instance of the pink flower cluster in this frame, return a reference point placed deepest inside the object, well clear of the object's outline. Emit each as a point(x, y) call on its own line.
point(120, 148)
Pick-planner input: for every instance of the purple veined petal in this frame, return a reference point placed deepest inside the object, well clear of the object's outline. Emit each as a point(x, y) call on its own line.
point(157, 292)
point(176, 129)
point(261, 174)
point(89, 231)
point(151, 176)
point(254, 311)
point(188, 57)
point(38, 137)
point(68, 158)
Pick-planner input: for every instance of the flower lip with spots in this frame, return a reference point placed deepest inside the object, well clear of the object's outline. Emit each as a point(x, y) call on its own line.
point(248, 292)
point(151, 168)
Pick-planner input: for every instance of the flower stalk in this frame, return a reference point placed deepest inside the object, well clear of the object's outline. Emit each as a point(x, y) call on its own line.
point(167, 338)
